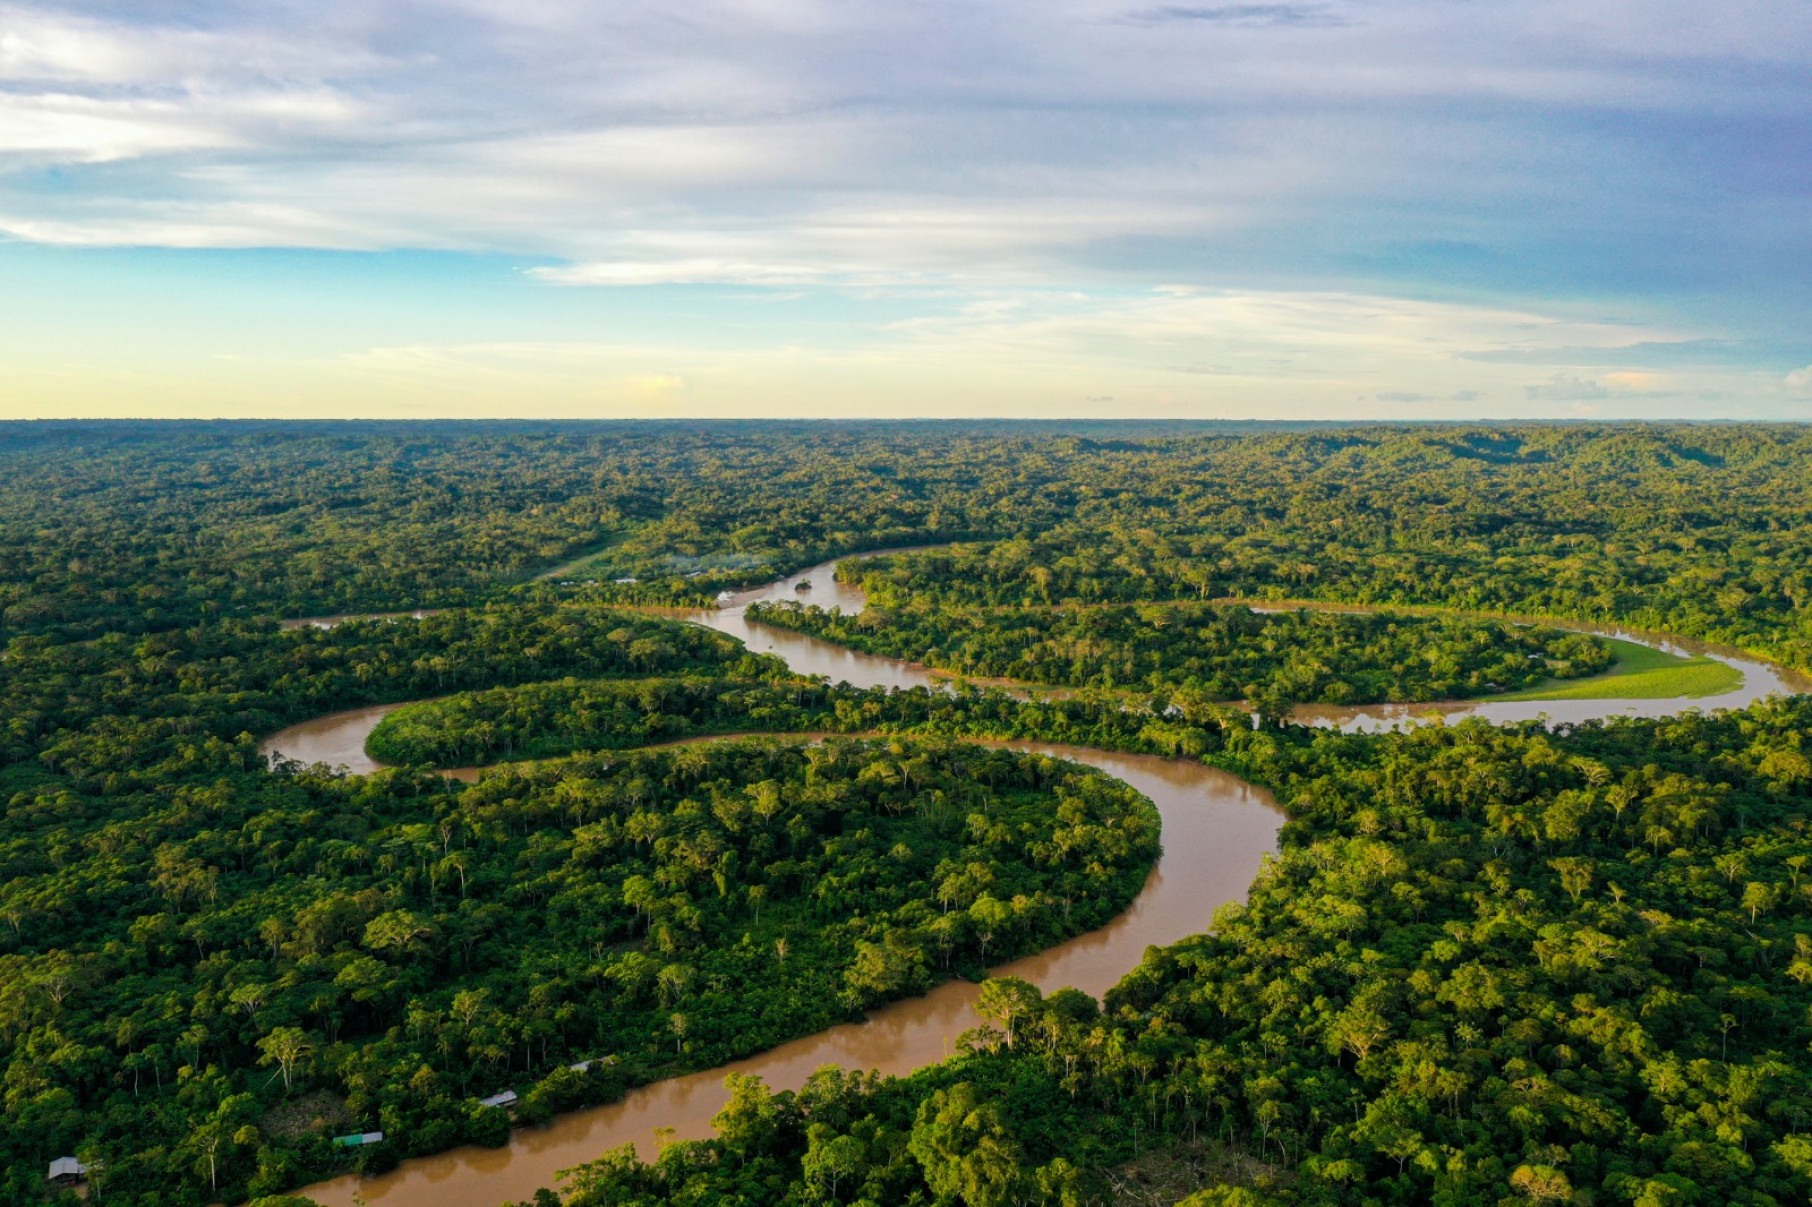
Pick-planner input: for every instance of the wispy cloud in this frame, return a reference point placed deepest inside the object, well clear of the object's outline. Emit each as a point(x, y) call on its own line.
point(1680, 352)
point(1563, 387)
point(1276, 353)
point(1628, 385)
point(1250, 15)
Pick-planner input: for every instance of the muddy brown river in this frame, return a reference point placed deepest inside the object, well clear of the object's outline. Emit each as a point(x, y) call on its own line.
point(1216, 831)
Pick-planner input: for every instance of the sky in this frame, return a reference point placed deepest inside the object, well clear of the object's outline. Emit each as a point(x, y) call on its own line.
point(1377, 209)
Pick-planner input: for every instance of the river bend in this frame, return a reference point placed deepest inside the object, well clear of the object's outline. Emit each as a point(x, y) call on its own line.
point(1216, 831)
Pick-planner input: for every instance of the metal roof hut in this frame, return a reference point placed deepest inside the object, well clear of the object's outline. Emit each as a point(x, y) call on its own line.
point(66, 1171)
point(506, 1099)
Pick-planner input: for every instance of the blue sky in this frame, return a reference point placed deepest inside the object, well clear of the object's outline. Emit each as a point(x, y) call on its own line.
point(1392, 209)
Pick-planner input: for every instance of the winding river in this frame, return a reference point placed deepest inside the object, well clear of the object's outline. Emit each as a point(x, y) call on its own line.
point(1216, 831)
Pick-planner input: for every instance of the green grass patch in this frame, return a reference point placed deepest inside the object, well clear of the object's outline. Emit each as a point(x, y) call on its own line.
point(584, 561)
point(1641, 673)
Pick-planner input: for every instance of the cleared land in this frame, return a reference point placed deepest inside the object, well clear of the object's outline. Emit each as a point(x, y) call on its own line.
point(1642, 673)
point(574, 566)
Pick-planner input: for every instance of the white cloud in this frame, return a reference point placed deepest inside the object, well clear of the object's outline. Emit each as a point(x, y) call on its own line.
point(207, 44)
point(60, 127)
point(36, 46)
point(1011, 183)
point(547, 128)
point(65, 128)
point(902, 244)
point(686, 272)
point(191, 226)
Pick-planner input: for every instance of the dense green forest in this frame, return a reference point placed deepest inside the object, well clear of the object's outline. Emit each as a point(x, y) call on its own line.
point(1742, 576)
point(1489, 964)
point(541, 720)
point(1220, 652)
point(186, 969)
point(1699, 530)
point(127, 709)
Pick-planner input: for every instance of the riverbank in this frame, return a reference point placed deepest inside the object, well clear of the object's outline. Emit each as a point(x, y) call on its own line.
point(1216, 830)
point(1643, 672)
point(1745, 680)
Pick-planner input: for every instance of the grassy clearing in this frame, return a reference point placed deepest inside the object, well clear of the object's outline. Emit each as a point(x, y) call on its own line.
point(576, 566)
point(1641, 673)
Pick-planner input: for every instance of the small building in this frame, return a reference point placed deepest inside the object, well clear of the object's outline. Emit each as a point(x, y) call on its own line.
point(359, 1139)
point(583, 1065)
point(66, 1171)
point(507, 1099)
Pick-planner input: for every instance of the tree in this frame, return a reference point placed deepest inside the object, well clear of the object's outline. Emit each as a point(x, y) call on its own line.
point(964, 1149)
point(208, 1142)
point(673, 980)
point(1541, 1184)
point(1009, 1001)
point(1759, 898)
point(829, 1158)
point(398, 930)
point(1575, 875)
point(1358, 1029)
point(289, 1048)
point(989, 915)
